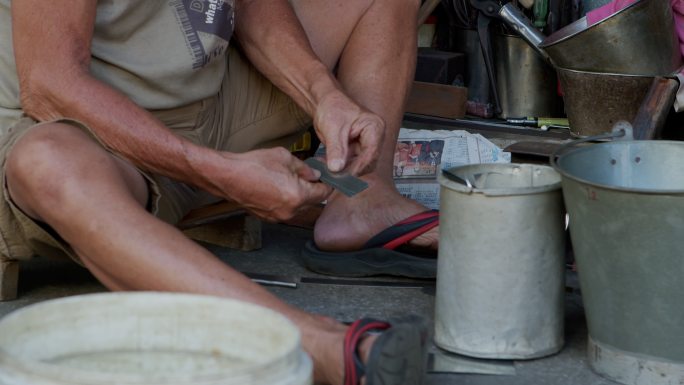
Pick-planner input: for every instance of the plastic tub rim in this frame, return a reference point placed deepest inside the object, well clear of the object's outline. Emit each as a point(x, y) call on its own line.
point(48, 371)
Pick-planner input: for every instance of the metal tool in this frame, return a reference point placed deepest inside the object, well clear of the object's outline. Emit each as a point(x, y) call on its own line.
point(272, 280)
point(452, 176)
point(367, 282)
point(539, 122)
point(347, 184)
point(488, 10)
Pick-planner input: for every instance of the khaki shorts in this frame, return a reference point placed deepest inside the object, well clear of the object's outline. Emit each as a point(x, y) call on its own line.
point(249, 112)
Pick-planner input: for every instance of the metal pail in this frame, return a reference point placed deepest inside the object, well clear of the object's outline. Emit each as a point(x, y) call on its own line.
point(526, 84)
point(500, 285)
point(639, 39)
point(595, 102)
point(626, 205)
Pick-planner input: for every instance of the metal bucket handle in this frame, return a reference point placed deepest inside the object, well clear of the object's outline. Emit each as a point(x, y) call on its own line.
point(622, 130)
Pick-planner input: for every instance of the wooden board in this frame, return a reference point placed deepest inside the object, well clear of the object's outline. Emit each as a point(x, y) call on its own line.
point(223, 224)
point(9, 278)
point(210, 214)
point(241, 233)
point(439, 100)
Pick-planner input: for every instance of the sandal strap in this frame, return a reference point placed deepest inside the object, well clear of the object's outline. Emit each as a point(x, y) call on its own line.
point(405, 230)
point(354, 369)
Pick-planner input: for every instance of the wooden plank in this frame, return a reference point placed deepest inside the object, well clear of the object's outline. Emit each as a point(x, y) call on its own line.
point(212, 213)
point(223, 224)
point(538, 149)
point(239, 232)
point(439, 100)
point(653, 111)
point(9, 279)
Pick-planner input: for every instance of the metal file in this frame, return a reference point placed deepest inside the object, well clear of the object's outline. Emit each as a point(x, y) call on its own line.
point(348, 185)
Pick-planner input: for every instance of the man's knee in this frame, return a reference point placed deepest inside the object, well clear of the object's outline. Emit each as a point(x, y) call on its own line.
point(35, 151)
point(40, 164)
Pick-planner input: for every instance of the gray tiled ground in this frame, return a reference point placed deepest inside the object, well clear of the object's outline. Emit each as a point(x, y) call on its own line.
point(43, 279)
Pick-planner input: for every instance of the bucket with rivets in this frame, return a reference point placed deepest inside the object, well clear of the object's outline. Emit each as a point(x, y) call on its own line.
point(625, 200)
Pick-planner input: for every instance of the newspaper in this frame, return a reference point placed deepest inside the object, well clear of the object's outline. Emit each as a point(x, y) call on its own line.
point(420, 154)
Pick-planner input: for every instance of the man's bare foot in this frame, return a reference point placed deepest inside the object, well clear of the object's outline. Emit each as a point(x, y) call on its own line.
point(347, 223)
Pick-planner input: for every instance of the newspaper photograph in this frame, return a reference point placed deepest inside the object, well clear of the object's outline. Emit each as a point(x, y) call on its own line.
point(420, 154)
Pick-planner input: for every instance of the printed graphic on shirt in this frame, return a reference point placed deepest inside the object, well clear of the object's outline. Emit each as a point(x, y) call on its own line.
point(199, 18)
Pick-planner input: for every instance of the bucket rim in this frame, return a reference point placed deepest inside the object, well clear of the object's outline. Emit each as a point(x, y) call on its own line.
point(603, 74)
point(446, 182)
point(571, 29)
point(565, 174)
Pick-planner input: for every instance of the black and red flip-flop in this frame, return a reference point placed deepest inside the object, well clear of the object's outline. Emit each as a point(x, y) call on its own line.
point(384, 254)
point(397, 357)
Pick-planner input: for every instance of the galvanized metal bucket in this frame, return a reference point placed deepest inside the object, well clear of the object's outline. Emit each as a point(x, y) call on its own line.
point(526, 84)
point(595, 102)
point(626, 203)
point(640, 39)
point(500, 285)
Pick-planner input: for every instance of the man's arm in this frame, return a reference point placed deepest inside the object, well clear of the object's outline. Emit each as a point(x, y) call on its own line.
point(52, 50)
point(275, 42)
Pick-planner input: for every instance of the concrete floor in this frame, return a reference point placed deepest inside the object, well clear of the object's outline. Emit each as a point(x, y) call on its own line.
point(43, 279)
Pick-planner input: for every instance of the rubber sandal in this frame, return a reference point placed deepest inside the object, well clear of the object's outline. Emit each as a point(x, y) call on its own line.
point(384, 254)
point(398, 355)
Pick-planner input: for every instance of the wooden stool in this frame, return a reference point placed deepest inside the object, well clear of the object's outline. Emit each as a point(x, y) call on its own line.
point(223, 224)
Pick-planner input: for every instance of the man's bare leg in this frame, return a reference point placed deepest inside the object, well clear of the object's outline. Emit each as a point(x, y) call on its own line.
point(373, 43)
point(58, 175)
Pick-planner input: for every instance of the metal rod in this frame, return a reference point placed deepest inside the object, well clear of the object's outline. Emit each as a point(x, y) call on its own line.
point(266, 282)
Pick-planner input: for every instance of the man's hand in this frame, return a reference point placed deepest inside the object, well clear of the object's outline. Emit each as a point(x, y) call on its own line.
point(272, 183)
point(352, 135)
point(274, 40)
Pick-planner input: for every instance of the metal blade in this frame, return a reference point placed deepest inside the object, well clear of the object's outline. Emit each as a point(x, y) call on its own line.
point(348, 185)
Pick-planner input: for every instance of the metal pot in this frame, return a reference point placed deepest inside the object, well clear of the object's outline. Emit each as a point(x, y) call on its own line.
point(638, 40)
point(526, 84)
point(595, 102)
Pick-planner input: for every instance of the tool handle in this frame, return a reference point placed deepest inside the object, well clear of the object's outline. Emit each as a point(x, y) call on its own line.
point(552, 122)
point(522, 25)
point(483, 22)
point(653, 111)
